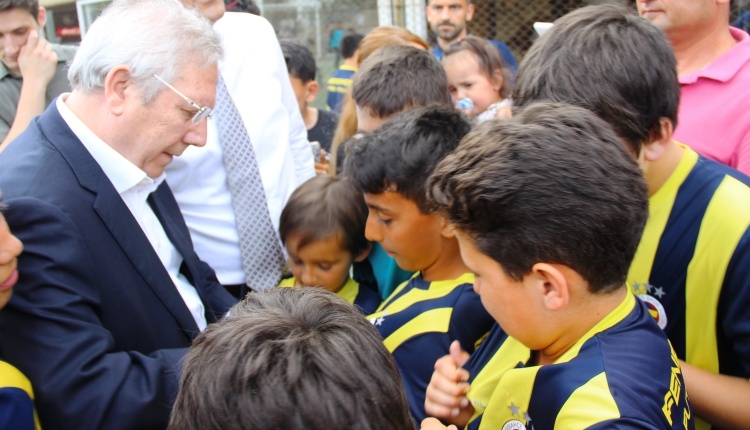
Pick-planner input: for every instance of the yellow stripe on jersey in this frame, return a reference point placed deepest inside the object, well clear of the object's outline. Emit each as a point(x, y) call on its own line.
point(348, 292)
point(718, 238)
point(340, 81)
point(437, 289)
point(432, 321)
point(510, 353)
point(589, 404)
point(660, 207)
point(511, 400)
point(12, 377)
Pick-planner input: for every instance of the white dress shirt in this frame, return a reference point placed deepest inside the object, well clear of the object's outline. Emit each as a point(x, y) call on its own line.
point(255, 74)
point(134, 186)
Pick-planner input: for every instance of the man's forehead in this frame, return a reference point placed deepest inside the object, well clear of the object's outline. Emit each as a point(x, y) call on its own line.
point(15, 19)
point(447, 2)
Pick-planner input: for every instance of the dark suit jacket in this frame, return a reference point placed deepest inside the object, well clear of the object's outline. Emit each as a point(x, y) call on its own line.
point(95, 321)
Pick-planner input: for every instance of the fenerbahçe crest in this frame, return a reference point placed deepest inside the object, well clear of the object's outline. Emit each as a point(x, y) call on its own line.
point(650, 295)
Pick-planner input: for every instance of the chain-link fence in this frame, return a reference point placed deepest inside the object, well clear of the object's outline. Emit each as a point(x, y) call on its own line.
point(321, 23)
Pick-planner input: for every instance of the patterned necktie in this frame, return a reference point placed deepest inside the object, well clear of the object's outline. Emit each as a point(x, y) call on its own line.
point(262, 259)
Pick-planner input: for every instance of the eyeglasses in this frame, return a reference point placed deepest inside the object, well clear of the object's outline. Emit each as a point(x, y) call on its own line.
point(203, 112)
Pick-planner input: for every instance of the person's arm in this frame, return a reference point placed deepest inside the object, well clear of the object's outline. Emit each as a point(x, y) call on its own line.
point(304, 163)
point(719, 399)
point(446, 393)
point(38, 63)
point(54, 332)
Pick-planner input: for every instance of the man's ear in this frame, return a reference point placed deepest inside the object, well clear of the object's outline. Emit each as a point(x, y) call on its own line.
point(41, 17)
point(311, 89)
point(363, 254)
point(469, 11)
point(658, 140)
point(552, 284)
point(118, 86)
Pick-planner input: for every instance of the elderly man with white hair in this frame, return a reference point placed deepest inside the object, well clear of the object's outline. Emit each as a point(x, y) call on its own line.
point(111, 292)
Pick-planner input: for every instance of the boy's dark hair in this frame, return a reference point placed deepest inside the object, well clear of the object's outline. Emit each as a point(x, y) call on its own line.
point(553, 184)
point(248, 6)
point(324, 206)
point(401, 155)
point(488, 57)
point(290, 358)
point(349, 44)
point(299, 59)
point(398, 77)
point(606, 59)
point(30, 6)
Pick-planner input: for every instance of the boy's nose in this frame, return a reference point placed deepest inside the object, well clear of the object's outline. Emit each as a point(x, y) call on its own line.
point(307, 279)
point(372, 229)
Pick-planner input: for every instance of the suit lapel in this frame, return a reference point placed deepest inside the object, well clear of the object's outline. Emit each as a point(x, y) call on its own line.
point(117, 217)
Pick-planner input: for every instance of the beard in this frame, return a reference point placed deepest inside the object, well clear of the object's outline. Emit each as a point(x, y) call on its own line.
point(448, 33)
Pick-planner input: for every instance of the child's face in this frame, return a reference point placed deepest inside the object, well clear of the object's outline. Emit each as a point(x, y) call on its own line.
point(304, 92)
point(513, 304)
point(466, 80)
point(321, 263)
point(412, 238)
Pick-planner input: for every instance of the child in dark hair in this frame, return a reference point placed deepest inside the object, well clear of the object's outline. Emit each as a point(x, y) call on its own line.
point(339, 83)
point(548, 208)
point(323, 229)
point(290, 358)
point(478, 80)
point(320, 124)
point(423, 315)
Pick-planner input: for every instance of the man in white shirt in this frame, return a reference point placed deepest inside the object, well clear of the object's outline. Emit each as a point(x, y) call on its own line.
point(256, 78)
point(111, 292)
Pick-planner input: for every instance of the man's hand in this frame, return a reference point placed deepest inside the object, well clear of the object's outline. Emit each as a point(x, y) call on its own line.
point(37, 61)
point(446, 394)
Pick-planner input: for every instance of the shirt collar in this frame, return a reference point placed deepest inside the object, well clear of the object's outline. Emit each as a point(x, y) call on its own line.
point(725, 67)
point(123, 174)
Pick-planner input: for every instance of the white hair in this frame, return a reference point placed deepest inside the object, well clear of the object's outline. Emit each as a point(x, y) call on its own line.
point(150, 37)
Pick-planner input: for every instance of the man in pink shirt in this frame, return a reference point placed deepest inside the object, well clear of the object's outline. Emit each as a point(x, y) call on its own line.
point(713, 61)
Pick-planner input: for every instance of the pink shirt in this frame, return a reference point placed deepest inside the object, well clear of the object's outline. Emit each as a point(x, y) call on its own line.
point(714, 117)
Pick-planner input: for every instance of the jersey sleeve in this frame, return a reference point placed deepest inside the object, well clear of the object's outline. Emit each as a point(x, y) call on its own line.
point(470, 322)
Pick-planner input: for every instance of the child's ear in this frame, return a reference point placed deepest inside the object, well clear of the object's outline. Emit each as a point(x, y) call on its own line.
point(553, 285)
point(497, 80)
point(363, 254)
point(312, 89)
point(657, 144)
point(446, 229)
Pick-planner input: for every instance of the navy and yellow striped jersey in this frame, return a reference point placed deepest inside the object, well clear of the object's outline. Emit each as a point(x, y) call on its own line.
point(366, 299)
point(692, 267)
point(338, 85)
point(419, 321)
point(622, 374)
point(16, 400)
